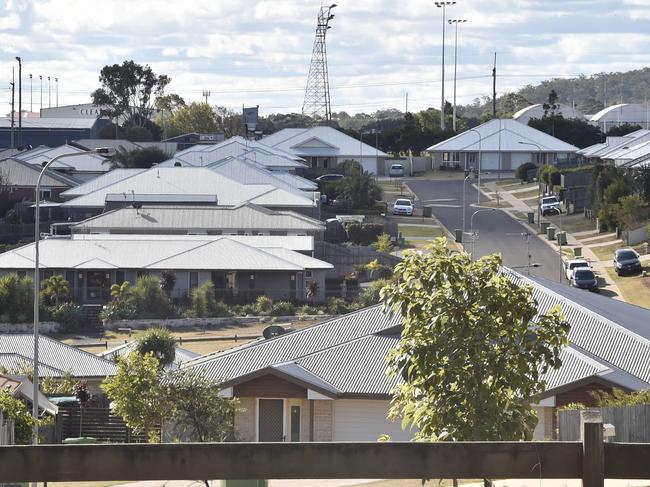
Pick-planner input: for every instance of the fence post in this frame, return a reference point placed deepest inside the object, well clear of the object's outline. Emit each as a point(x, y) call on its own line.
point(593, 449)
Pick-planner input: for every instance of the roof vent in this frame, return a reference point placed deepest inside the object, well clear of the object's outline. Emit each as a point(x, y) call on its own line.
point(177, 164)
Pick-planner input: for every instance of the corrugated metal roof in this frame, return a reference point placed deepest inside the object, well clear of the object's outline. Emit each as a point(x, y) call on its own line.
point(55, 357)
point(182, 355)
point(102, 181)
point(50, 123)
point(502, 135)
point(83, 162)
point(246, 171)
point(198, 218)
point(20, 173)
point(350, 352)
point(193, 181)
point(151, 252)
point(320, 139)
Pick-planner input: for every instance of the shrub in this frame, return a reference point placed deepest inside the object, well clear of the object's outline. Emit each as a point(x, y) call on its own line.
point(364, 234)
point(69, 316)
point(244, 309)
point(307, 310)
point(370, 295)
point(118, 310)
point(167, 281)
point(522, 171)
point(150, 300)
point(283, 308)
point(338, 306)
point(16, 298)
point(204, 303)
point(54, 289)
point(383, 243)
point(263, 305)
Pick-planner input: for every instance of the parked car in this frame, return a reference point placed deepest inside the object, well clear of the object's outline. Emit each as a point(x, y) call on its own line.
point(571, 265)
point(626, 261)
point(329, 178)
point(550, 204)
point(584, 279)
point(403, 206)
point(396, 171)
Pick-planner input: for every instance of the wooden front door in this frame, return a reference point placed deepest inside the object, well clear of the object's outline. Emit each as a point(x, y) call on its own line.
point(271, 420)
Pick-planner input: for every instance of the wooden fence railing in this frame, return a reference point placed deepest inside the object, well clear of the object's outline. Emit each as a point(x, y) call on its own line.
point(98, 423)
point(592, 460)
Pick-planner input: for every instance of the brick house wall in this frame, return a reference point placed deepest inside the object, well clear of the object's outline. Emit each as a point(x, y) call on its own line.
point(323, 419)
point(245, 419)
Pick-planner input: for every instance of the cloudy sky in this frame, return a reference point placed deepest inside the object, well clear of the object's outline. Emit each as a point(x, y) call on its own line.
point(257, 52)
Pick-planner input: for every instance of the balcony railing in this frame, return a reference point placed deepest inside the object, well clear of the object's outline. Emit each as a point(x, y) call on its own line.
point(592, 460)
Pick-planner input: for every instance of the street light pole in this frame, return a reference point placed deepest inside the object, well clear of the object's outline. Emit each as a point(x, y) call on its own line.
point(559, 239)
point(443, 5)
point(471, 227)
point(539, 196)
point(464, 207)
point(478, 187)
point(455, 22)
point(37, 284)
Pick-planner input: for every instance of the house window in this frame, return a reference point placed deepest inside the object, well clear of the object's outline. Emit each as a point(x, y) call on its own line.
point(119, 277)
point(255, 232)
point(251, 281)
point(194, 280)
point(215, 232)
point(471, 159)
point(308, 274)
point(46, 194)
point(141, 274)
point(278, 233)
point(21, 274)
point(241, 232)
point(295, 423)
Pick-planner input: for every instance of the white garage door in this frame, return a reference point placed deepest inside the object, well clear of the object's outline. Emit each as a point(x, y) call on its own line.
point(364, 420)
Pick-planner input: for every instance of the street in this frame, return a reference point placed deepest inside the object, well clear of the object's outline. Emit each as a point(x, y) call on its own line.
point(497, 231)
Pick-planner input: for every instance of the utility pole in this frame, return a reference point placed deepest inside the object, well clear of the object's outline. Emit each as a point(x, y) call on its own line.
point(49, 92)
point(494, 87)
point(13, 85)
point(455, 22)
point(31, 93)
point(206, 94)
point(443, 5)
point(56, 84)
point(407, 103)
point(20, 101)
point(40, 77)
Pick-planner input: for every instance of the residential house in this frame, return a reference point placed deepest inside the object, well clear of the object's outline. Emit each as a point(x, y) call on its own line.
point(326, 147)
point(613, 145)
point(241, 267)
point(187, 185)
point(21, 387)
point(538, 111)
point(499, 145)
point(186, 141)
point(126, 145)
point(49, 131)
point(328, 382)
point(114, 354)
point(621, 114)
point(55, 359)
point(82, 167)
point(244, 219)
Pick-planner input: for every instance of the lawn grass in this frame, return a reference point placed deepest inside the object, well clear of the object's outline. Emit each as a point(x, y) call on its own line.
point(606, 252)
point(420, 231)
point(572, 223)
point(500, 203)
point(523, 195)
point(635, 289)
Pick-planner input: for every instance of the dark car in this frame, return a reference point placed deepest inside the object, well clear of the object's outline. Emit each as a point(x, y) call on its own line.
point(329, 178)
point(584, 279)
point(626, 261)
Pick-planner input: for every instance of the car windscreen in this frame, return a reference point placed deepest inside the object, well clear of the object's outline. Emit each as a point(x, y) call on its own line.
point(396, 166)
point(573, 265)
point(626, 255)
point(584, 274)
point(403, 202)
point(552, 199)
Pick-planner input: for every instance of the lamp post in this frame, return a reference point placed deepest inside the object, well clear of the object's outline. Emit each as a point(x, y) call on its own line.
point(455, 22)
point(478, 187)
point(40, 77)
point(31, 105)
point(464, 186)
point(49, 92)
point(539, 196)
point(37, 236)
point(443, 5)
point(20, 101)
point(471, 227)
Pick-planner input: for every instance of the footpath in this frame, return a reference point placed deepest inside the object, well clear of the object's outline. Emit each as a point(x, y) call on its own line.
point(518, 206)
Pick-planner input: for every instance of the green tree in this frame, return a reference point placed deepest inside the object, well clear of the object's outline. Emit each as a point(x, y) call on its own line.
point(630, 211)
point(195, 117)
point(16, 410)
point(128, 90)
point(199, 412)
point(54, 289)
point(623, 129)
point(138, 394)
point(160, 343)
point(16, 298)
point(615, 191)
point(138, 158)
point(383, 243)
point(359, 190)
point(473, 349)
point(149, 299)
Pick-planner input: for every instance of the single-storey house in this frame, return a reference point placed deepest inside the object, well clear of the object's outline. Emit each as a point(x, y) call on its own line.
point(326, 147)
point(244, 219)
point(55, 359)
point(328, 382)
point(51, 132)
point(181, 356)
point(499, 145)
point(21, 387)
point(186, 185)
point(614, 144)
point(82, 167)
point(240, 267)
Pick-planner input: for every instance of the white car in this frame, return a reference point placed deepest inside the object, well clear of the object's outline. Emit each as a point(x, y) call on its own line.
point(403, 206)
point(550, 204)
point(571, 265)
point(396, 171)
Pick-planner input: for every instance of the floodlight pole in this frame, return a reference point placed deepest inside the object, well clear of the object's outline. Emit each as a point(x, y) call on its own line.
point(37, 236)
point(443, 5)
point(471, 227)
point(478, 187)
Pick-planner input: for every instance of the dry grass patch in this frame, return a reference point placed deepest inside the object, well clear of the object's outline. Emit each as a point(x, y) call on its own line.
point(635, 289)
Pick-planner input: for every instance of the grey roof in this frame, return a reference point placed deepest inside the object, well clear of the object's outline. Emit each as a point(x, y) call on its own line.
point(55, 357)
point(21, 173)
point(112, 143)
point(246, 171)
point(349, 353)
point(50, 123)
point(154, 218)
point(101, 182)
point(182, 355)
point(82, 162)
